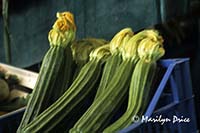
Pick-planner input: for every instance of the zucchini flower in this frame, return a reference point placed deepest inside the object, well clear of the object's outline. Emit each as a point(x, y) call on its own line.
point(131, 48)
point(116, 42)
point(82, 48)
point(63, 30)
point(69, 19)
point(101, 53)
point(151, 50)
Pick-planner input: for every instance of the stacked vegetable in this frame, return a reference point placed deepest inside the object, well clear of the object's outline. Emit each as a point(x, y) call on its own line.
point(105, 73)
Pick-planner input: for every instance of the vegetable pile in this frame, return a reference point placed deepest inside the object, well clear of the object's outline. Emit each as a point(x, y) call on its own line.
point(83, 83)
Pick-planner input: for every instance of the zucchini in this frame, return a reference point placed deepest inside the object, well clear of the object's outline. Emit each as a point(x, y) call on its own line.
point(64, 80)
point(59, 37)
point(40, 97)
point(149, 50)
point(80, 89)
point(110, 67)
point(115, 60)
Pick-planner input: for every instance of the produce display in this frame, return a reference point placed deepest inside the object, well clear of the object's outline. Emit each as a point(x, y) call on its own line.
point(83, 83)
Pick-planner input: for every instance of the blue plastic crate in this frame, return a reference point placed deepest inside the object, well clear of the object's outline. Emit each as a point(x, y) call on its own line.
point(178, 101)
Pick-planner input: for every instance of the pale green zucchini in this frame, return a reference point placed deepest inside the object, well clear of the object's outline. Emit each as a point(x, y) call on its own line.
point(109, 69)
point(113, 62)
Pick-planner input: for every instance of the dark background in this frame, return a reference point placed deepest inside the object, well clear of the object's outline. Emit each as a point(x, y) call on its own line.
point(31, 20)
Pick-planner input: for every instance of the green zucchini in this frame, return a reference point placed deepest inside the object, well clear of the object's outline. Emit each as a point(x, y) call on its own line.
point(42, 92)
point(110, 67)
point(149, 50)
point(115, 60)
point(39, 99)
point(64, 80)
point(80, 89)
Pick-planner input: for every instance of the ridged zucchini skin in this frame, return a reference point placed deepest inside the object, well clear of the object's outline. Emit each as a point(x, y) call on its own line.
point(109, 69)
point(78, 91)
point(40, 97)
point(64, 79)
point(151, 69)
point(102, 107)
point(63, 82)
point(138, 95)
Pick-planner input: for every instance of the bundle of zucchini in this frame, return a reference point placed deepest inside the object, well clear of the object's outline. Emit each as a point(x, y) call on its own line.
point(104, 74)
